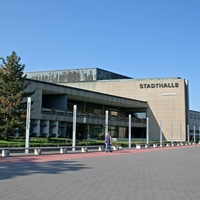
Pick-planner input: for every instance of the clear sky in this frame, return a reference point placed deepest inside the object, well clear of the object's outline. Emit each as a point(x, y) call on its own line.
point(137, 38)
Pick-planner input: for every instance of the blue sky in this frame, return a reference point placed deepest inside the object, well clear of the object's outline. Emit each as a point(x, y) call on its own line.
point(138, 38)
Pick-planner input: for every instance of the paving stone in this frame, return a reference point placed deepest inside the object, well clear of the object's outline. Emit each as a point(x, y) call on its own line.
point(168, 173)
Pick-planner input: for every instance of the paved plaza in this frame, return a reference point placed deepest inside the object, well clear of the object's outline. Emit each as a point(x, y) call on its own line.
point(158, 174)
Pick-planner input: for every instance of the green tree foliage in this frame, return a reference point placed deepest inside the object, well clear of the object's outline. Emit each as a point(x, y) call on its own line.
point(12, 96)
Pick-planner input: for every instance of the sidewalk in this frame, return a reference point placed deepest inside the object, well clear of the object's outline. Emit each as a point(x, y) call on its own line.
point(57, 156)
point(157, 173)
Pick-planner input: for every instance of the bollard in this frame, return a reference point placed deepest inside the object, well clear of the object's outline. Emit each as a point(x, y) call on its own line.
point(37, 151)
point(63, 150)
point(101, 148)
point(138, 146)
point(84, 149)
point(5, 152)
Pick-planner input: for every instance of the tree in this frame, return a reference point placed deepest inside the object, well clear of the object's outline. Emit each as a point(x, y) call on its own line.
point(12, 96)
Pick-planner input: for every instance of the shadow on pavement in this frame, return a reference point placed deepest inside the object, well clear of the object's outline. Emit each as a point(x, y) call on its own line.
point(14, 169)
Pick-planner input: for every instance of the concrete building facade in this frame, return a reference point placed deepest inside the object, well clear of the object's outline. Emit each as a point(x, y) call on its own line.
point(52, 113)
point(167, 99)
point(194, 125)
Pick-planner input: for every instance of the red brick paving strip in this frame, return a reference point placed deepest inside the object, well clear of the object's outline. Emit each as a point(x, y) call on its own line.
point(71, 156)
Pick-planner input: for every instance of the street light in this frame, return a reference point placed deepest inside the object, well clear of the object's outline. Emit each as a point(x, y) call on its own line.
point(28, 112)
point(74, 127)
point(129, 131)
point(106, 123)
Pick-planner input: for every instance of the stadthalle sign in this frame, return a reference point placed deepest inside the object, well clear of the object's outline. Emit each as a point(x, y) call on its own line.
point(159, 85)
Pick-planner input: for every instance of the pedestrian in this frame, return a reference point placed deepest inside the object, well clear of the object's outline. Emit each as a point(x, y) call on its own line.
point(108, 142)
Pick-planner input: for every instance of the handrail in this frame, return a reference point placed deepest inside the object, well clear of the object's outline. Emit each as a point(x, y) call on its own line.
point(38, 150)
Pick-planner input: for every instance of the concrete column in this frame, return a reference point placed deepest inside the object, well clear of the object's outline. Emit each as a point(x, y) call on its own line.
point(56, 129)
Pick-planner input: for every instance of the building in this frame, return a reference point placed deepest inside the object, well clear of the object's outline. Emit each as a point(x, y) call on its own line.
point(194, 125)
point(53, 107)
point(165, 101)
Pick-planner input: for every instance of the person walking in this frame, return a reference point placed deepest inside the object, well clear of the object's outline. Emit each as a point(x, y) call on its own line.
point(108, 142)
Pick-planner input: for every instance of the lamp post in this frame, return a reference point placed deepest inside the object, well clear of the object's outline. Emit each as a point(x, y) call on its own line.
point(194, 136)
point(129, 131)
point(147, 133)
point(74, 127)
point(188, 133)
point(106, 123)
point(28, 124)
